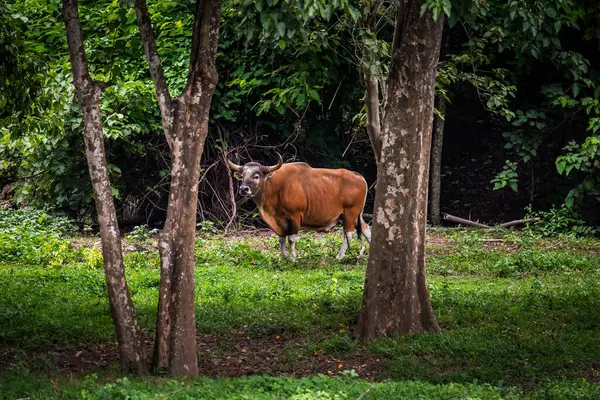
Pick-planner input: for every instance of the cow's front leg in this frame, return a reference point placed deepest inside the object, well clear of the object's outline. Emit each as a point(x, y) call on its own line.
point(293, 239)
point(284, 251)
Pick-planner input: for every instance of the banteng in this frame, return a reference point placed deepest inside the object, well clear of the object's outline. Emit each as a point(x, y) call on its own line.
point(295, 195)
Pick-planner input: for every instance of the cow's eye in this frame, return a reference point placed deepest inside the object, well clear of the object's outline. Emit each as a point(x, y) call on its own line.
point(256, 177)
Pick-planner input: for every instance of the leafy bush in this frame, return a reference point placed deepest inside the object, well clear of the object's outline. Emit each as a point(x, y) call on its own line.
point(34, 237)
point(558, 222)
point(35, 220)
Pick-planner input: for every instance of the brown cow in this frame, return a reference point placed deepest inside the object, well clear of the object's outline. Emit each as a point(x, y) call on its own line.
point(295, 195)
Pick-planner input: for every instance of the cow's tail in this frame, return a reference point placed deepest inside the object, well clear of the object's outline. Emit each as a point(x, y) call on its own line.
point(359, 221)
point(359, 229)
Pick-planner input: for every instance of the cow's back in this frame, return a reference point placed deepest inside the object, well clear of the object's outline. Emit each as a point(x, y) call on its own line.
point(320, 195)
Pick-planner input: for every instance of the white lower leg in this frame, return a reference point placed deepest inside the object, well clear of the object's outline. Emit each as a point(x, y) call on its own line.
point(345, 243)
point(284, 251)
point(367, 232)
point(292, 239)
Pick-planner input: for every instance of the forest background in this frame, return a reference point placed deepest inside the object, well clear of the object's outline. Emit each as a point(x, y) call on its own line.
point(517, 88)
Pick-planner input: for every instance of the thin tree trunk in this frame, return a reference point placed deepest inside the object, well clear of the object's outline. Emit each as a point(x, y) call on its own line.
point(185, 122)
point(373, 114)
point(436, 162)
point(373, 105)
point(396, 298)
point(88, 92)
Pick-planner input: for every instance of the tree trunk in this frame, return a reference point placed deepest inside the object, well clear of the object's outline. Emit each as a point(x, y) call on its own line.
point(395, 297)
point(185, 122)
point(373, 114)
point(436, 162)
point(176, 323)
point(88, 92)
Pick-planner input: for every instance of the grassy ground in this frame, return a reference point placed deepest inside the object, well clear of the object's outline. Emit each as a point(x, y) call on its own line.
point(519, 313)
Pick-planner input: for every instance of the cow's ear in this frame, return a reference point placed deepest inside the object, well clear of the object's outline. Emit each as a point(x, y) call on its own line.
point(270, 175)
point(237, 176)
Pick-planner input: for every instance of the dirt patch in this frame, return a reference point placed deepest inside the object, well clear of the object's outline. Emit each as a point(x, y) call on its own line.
point(233, 356)
point(439, 240)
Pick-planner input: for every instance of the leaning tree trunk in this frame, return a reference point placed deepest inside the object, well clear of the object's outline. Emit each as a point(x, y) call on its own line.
point(395, 297)
point(435, 213)
point(373, 114)
point(88, 92)
point(185, 123)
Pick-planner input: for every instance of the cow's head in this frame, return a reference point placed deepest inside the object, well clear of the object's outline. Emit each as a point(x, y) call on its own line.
point(253, 175)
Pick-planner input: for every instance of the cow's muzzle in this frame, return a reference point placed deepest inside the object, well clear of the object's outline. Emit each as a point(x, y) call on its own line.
point(245, 191)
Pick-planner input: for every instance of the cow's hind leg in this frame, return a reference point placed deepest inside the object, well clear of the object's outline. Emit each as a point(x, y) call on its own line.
point(351, 217)
point(345, 244)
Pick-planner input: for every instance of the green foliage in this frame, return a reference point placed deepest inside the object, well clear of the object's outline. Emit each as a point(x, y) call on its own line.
point(583, 157)
point(35, 220)
point(437, 7)
point(259, 387)
point(140, 234)
point(35, 238)
point(272, 21)
point(558, 222)
point(21, 73)
point(139, 238)
point(507, 177)
point(527, 35)
point(206, 228)
point(43, 148)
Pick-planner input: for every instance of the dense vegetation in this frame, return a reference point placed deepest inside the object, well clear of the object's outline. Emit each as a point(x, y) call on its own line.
point(522, 85)
point(519, 312)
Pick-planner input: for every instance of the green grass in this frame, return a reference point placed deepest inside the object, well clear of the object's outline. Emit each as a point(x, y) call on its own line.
point(522, 313)
point(34, 387)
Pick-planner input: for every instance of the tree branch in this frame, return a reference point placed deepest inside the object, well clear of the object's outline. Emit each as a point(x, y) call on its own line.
point(156, 72)
point(399, 30)
point(205, 39)
point(463, 221)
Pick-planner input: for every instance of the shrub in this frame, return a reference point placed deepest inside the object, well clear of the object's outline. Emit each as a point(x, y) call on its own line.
point(34, 237)
point(559, 221)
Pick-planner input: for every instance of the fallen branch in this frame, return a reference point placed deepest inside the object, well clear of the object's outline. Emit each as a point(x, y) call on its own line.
point(463, 221)
point(518, 222)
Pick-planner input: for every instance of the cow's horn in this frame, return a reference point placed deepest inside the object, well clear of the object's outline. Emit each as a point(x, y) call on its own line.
point(277, 166)
point(232, 166)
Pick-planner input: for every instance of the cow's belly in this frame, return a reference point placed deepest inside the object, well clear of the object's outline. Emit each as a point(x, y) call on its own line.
point(319, 225)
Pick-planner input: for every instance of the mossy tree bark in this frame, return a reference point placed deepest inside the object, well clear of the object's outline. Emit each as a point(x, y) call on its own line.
point(396, 298)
